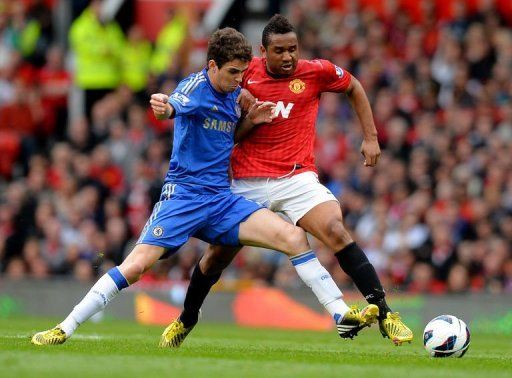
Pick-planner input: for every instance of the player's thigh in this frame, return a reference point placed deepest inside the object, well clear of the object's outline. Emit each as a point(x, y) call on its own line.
point(297, 195)
point(217, 258)
point(266, 229)
point(225, 213)
point(325, 222)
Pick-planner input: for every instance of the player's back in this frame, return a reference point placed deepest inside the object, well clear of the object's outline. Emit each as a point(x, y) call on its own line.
point(286, 144)
point(203, 135)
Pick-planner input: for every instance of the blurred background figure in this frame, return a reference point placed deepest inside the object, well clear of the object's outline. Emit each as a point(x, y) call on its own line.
point(97, 44)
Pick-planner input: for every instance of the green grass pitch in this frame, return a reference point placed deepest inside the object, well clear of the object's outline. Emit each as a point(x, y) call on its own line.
point(123, 349)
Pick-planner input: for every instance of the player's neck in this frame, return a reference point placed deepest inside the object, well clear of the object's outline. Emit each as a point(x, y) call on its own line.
point(213, 81)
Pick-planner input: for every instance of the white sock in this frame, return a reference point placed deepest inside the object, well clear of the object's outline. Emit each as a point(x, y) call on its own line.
point(320, 281)
point(103, 291)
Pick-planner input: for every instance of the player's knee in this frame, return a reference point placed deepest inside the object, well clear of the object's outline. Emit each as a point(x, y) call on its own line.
point(210, 265)
point(132, 270)
point(294, 239)
point(337, 235)
point(214, 261)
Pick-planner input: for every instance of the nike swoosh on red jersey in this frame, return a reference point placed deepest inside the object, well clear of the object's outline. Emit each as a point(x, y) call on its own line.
point(252, 81)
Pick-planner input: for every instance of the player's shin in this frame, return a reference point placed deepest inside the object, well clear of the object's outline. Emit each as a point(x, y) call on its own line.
point(103, 291)
point(321, 283)
point(354, 262)
point(198, 289)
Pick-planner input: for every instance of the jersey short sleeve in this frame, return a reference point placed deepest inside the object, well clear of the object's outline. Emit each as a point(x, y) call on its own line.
point(334, 78)
point(185, 99)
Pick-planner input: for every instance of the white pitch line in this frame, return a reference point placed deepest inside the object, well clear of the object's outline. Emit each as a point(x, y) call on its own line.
point(79, 337)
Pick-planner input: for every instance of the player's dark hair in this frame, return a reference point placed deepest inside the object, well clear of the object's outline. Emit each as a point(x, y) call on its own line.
point(228, 44)
point(278, 24)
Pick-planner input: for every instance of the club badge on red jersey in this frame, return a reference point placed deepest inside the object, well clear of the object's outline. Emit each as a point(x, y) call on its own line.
point(297, 86)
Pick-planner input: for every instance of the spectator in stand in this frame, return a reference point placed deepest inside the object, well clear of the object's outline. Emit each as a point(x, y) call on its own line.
point(54, 84)
point(169, 41)
point(135, 62)
point(97, 44)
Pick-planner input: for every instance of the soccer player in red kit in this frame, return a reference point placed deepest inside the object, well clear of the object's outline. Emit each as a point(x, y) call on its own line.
point(274, 164)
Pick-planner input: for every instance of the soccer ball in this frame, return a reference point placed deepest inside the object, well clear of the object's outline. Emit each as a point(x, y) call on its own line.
point(446, 336)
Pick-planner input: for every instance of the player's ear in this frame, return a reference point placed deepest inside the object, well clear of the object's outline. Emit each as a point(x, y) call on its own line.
point(212, 65)
point(263, 51)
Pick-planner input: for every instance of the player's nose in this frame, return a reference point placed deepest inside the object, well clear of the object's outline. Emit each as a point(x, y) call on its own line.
point(287, 57)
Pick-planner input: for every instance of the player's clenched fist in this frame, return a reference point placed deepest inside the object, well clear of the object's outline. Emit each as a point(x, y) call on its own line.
point(160, 105)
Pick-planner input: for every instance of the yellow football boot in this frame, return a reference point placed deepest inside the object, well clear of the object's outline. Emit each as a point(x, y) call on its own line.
point(174, 334)
point(393, 328)
point(355, 320)
point(52, 336)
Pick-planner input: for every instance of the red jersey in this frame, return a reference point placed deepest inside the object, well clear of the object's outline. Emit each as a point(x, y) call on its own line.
point(286, 145)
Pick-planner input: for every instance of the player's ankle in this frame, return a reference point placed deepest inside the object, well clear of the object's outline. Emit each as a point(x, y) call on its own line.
point(189, 318)
point(383, 308)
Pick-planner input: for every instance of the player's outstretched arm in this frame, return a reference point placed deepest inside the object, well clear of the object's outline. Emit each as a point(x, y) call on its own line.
point(370, 146)
point(160, 106)
point(260, 112)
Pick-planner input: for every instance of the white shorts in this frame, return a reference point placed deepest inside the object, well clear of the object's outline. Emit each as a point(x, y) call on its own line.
point(293, 196)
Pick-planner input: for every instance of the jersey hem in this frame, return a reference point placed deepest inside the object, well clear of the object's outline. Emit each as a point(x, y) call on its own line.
point(274, 175)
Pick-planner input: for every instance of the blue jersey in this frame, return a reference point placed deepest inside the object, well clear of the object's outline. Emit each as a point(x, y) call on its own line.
point(203, 135)
point(196, 199)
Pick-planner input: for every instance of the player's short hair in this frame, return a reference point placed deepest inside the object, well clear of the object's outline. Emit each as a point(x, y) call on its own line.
point(278, 24)
point(228, 44)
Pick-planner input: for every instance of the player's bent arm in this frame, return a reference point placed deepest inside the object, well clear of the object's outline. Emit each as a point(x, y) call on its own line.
point(161, 107)
point(243, 128)
point(359, 101)
point(260, 112)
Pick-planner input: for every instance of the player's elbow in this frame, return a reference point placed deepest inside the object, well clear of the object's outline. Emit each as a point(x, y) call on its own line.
point(354, 89)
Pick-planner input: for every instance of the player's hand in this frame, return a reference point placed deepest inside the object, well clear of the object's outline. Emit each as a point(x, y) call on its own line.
point(246, 100)
point(371, 151)
point(262, 112)
point(159, 105)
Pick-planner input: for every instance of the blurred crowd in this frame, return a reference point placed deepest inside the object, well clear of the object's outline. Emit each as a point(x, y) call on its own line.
point(434, 216)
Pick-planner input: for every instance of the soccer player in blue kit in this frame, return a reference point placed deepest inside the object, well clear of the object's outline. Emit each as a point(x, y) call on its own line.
point(196, 200)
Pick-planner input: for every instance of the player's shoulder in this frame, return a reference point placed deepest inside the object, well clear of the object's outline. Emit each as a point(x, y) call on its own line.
point(189, 90)
point(256, 66)
point(192, 83)
point(321, 67)
point(315, 65)
point(255, 62)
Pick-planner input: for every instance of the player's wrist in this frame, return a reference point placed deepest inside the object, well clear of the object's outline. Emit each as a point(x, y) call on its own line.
point(373, 137)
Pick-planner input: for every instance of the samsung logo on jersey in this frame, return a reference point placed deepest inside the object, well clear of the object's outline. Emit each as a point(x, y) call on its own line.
point(215, 124)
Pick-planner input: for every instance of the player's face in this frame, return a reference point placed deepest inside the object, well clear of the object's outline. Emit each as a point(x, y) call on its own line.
point(227, 78)
point(282, 53)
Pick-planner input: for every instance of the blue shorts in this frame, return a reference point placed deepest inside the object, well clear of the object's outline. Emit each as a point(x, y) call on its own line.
point(181, 214)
